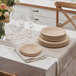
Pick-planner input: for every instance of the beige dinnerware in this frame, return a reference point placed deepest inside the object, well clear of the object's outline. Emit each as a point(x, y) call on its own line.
point(53, 34)
point(30, 50)
point(54, 44)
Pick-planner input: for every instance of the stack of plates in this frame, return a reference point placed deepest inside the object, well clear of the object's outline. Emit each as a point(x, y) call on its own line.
point(53, 37)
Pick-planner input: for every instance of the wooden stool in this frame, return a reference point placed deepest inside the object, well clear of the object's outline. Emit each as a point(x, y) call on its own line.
point(2, 73)
point(59, 6)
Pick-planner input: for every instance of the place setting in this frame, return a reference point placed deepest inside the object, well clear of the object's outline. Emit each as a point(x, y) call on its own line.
point(30, 53)
point(49, 37)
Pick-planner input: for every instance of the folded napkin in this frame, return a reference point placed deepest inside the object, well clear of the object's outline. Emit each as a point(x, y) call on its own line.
point(30, 59)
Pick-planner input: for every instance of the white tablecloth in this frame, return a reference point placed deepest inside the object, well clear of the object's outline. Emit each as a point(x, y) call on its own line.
point(19, 38)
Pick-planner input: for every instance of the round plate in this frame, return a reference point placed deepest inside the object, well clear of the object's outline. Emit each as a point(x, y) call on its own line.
point(53, 34)
point(31, 50)
point(54, 44)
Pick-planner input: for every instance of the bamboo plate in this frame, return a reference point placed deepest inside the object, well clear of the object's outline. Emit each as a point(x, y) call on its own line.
point(53, 34)
point(54, 44)
point(31, 50)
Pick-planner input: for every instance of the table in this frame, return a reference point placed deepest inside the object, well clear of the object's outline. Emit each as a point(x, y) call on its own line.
point(48, 65)
point(39, 64)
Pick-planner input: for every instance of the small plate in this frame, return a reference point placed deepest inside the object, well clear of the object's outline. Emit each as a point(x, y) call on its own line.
point(31, 50)
point(53, 34)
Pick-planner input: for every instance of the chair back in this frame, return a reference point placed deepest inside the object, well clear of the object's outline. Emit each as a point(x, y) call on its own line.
point(59, 6)
point(66, 5)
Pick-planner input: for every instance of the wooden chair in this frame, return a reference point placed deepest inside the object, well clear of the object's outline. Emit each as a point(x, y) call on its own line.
point(2, 73)
point(59, 6)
